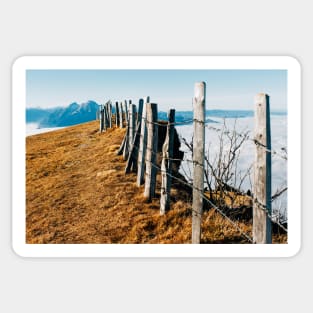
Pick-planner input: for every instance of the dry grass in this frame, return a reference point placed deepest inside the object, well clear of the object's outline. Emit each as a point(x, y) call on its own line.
point(77, 192)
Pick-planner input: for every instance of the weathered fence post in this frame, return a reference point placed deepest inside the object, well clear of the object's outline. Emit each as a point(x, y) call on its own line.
point(106, 118)
point(121, 115)
point(133, 152)
point(125, 150)
point(132, 162)
point(106, 121)
point(125, 112)
point(129, 106)
point(136, 139)
point(142, 145)
point(166, 167)
point(101, 119)
point(133, 140)
point(132, 124)
point(122, 146)
point(110, 114)
point(152, 147)
point(117, 115)
point(262, 189)
point(140, 108)
point(126, 144)
point(198, 159)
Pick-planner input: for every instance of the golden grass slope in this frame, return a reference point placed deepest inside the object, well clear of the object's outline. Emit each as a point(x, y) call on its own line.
point(77, 192)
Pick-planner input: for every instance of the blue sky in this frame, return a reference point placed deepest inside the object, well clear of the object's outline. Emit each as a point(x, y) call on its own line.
point(225, 89)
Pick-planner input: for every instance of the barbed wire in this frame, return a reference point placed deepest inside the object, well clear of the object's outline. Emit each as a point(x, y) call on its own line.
point(205, 198)
point(221, 212)
point(279, 193)
point(196, 163)
point(201, 194)
point(172, 159)
point(256, 142)
point(269, 214)
point(156, 153)
point(273, 152)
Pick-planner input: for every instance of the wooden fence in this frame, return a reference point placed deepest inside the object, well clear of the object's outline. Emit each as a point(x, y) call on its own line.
point(139, 150)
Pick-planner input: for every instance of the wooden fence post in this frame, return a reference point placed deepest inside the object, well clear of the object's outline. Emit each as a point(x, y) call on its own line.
point(125, 149)
point(106, 117)
point(262, 189)
point(198, 160)
point(126, 145)
point(110, 114)
point(140, 108)
point(125, 112)
point(117, 114)
point(129, 106)
point(121, 115)
point(136, 139)
point(133, 140)
point(166, 167)
point(132, 124)
point(132, 162)
point(101, 119)
point(152, 147)
point(122, 146)
point(133, 152)
point(142, 147)
point(105, 113)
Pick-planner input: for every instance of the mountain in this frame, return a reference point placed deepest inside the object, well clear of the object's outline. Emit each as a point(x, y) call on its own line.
point(73, 114)
point(36, 115)
point(63, 116)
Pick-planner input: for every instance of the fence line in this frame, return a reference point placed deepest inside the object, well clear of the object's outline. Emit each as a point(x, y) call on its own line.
point(277, 194)
point(143, 122)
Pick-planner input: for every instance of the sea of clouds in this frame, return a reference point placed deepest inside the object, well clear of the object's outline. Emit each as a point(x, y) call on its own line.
point(247, 152)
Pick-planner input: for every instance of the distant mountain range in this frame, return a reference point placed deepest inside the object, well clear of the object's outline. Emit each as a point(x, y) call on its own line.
point(80, 113)
point(63, 116)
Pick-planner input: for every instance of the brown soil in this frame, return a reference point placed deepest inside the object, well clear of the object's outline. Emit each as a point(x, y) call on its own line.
point(77, 192)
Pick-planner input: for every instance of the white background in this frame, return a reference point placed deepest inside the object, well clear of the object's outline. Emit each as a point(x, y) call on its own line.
point(158, 28)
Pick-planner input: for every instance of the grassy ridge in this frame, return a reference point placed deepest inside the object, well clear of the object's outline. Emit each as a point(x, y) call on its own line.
point(77, 192)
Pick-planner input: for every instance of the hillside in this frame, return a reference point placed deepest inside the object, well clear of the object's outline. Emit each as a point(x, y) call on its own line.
point(77, 192)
